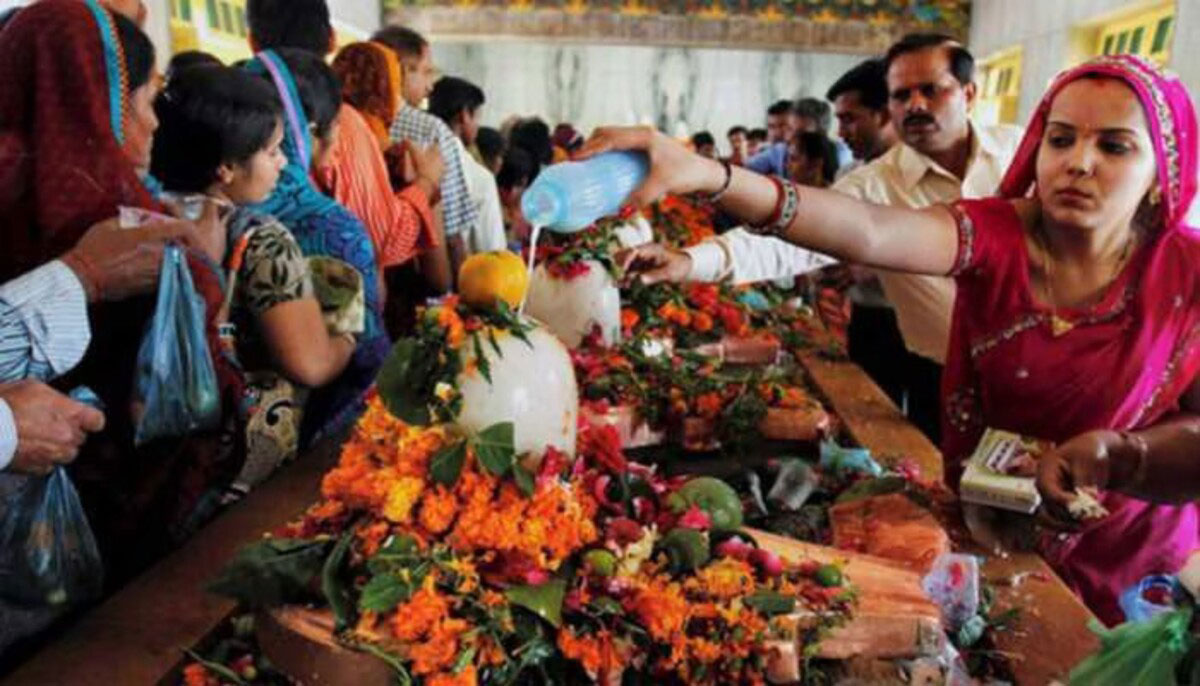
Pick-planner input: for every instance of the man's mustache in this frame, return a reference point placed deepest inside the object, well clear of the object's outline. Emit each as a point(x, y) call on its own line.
point(919, 120)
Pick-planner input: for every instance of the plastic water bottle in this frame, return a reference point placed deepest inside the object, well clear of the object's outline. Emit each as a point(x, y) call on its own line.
point(570, 196)
point(1149, 597)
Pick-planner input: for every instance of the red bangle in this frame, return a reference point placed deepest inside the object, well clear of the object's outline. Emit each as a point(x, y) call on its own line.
point(774, 216)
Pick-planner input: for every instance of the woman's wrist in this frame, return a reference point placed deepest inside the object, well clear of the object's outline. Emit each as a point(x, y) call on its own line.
point(1127, 455)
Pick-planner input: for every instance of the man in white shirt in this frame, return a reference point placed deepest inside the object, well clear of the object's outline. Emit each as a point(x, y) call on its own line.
point(44, 332)
point(457, 102)
point(943, 157)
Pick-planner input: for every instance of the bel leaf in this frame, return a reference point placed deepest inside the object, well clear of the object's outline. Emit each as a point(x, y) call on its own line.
point(494, 448)
point(334, 586)
point(544, 600)
point(481, 360)
point(524, 479)
point(383, 593)
point(770, 603)
point(402, 393)
point(272, 572)
point(447, 463)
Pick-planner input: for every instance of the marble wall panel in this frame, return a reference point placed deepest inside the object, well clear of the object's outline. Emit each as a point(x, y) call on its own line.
point(680, 90)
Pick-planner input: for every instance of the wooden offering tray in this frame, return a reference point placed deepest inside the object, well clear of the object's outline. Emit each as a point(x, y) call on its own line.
point(894, 619)
point(750, 350)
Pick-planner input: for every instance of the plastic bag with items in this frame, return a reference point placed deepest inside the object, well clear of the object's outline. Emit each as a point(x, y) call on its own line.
point(48, 555)
point(176, 383)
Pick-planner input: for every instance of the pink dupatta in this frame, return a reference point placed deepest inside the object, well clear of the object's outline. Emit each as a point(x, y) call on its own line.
point(1124, 365)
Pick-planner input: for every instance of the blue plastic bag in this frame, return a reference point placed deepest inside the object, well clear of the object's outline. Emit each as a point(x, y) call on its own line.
point(836, 459)
point(48, 555)
point(176, 383)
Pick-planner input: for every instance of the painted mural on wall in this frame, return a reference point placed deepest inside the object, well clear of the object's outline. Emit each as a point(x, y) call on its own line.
point(841, 25)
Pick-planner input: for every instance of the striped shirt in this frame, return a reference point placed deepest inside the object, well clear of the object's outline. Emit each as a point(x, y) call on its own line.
point(44, 332)
point(400, 224)
point(422, 128)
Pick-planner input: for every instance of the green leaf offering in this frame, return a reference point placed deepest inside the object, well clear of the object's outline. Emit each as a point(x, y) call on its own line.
point(481, 360)
point(446, 464)
point(273, 572)
point(397, 552)
point(494, 448)
point(383, 593)
point(399, 384)
point(770, 603)
point(544, 600)
point(524, 479)
point(334, 587)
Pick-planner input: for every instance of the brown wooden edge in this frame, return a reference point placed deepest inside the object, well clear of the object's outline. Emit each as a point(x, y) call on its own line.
point(139, 634)
point(1051, 636)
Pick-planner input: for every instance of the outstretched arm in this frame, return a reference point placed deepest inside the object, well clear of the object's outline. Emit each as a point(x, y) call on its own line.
point(919, 241)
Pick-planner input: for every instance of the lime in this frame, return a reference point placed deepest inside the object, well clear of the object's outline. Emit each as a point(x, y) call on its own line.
point(601, 562)
point(828, 576)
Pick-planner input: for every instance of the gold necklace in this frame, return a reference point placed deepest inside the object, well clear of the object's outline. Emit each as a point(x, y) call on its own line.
point(1060, 325)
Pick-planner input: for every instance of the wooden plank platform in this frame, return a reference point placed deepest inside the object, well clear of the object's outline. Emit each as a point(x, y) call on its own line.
point(1052, 635)
point(139, 634)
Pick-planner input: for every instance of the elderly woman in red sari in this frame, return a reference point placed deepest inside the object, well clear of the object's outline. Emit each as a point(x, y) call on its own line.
point(76, 129)
point(1076, 319)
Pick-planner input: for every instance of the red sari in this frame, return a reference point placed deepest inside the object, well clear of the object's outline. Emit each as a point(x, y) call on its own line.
point(1125, 363)
point(62, 168)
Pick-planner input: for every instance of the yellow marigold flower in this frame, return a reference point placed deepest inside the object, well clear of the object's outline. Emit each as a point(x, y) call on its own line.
point(726, 578)
point(704, 650)
point(401, 499)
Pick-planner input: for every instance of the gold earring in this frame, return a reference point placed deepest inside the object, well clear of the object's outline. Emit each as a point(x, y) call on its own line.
point(1155, 196)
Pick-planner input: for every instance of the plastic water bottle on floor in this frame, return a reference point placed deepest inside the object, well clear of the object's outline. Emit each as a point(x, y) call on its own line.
point(570, 196)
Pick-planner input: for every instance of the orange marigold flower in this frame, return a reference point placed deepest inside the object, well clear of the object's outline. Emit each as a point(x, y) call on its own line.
point(705, 651)
point(629, 318)
point(420, 614)
point(709, 405)
point(438, 509)
point(440, 650)
point(467, 677)
point(794, 397)
point(586, 650)
point(197, 674)
point(326, 510)
point(702, 322)
point(371, 537)
point(662, 609)
point(448, 319)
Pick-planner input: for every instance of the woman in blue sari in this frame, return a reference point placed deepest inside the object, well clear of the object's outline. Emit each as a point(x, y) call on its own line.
point(322, 227)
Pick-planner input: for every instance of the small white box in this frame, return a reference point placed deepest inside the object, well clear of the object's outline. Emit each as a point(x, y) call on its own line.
point(985, 481)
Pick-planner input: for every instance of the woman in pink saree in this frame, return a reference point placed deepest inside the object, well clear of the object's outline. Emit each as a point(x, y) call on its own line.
point(1077, 314)
point(1123, 362)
